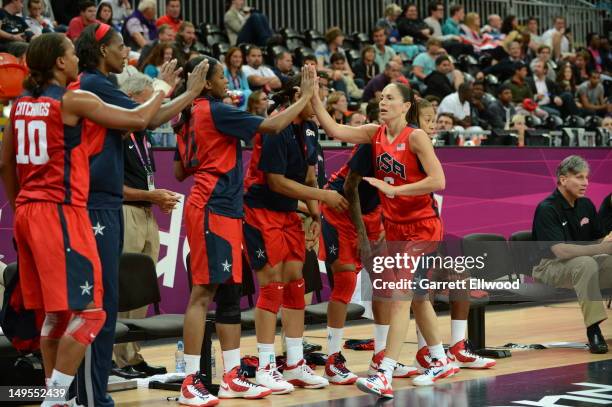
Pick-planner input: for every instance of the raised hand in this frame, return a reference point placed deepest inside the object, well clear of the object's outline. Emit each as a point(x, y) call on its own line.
point(197, 78)
point(170, 74)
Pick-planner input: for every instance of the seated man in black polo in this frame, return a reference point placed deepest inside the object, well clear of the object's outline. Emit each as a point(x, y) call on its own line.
point(575, 250)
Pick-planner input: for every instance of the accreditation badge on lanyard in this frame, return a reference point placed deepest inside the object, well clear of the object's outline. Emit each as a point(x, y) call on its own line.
point(147, 165)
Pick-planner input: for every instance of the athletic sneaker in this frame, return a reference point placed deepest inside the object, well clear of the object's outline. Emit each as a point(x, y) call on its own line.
point(270, 378)
point(401, 370)
point(302, 375)
point(463, 356)
point(422, 361)
point(193, 392)
point(235, 385)
point(336, 371)
point(439, 369)
point(376, 384)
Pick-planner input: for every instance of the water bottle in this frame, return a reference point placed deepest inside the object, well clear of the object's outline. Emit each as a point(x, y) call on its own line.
point(179, 357)
point(213, 363)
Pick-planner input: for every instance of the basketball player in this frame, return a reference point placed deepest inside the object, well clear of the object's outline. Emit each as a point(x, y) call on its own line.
point(209, 147)
point(45, 169)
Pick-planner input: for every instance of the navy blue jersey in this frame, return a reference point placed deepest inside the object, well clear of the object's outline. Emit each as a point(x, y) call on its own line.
point(290, 154)
point(106, 162)
point(361, 163)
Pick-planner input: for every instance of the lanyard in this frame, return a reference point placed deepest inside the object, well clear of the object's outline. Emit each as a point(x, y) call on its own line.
point(147, 165)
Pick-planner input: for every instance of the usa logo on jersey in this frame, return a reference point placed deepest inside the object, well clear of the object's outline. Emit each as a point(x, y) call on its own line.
point(386, 163)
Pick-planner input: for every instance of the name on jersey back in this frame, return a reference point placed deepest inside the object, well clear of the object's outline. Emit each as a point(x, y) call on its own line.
point(32, 109)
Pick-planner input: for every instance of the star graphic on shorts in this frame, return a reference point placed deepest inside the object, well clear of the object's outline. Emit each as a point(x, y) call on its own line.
point(261, 254)
point(98, 229)
point(333, 249)
point(227, 265)
point(86, 288)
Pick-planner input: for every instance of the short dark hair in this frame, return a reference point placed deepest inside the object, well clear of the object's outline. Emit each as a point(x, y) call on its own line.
point(85, 4)
point(378, 28)
point(455, 8)
point(309, 57)
point(337, 56)
point(502, 88)
point(252, 48)
point(441, 59)
point(170, 1)
point(479, 83)
point(280, 55)
point(449, 115)
point(433, 6)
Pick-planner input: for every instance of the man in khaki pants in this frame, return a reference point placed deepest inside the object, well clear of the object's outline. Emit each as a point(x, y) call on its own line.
point(141, 233)
point(576, 252)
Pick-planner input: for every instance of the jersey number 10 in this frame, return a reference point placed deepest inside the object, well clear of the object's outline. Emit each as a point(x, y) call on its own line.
point(37, 151)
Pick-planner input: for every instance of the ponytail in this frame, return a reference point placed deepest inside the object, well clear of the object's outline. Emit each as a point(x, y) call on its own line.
point(41, 56)
point(412, 116)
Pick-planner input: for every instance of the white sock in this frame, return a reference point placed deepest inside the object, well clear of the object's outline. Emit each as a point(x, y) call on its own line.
point(58, 380)
point(388, 365)
point(266, 354)
point(192, 364)
point(231, 359)
point(380, 337)
point(420, 339)
point(295, 350)
point(437, 352)
point(458, 327)
point(334, 339)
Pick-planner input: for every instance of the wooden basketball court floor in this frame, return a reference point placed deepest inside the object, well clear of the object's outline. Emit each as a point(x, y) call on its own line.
point(511, 324)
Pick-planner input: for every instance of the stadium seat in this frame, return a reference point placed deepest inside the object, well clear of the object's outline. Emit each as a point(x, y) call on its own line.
point(293, 43)
point(209, 28)
point(220, 49)
point(361, 38)
point(212, 39)
point(352, 56)
point(275, 50)
point(244, 47)
point(350, 44)
point(289, 33)
point(313, 36)
point(300, 53)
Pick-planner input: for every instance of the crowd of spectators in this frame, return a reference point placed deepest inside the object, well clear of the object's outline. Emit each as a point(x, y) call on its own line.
point(479, 72)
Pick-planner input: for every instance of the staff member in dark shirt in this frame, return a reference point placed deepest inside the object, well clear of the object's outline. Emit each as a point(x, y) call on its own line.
point(141, 233)
point(574, 248)
point(605, 214)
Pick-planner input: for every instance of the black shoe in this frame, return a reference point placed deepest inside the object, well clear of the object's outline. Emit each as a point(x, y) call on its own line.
point(127, 372)
point(597, 343)
point(145, 368)
point(310, 347)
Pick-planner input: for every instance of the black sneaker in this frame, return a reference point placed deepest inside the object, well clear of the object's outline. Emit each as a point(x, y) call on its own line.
point(144, 367)
point(597, 343)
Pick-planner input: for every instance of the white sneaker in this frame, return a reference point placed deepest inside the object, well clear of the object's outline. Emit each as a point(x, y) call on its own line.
point(376, 384)
point(401, 370)
point(271, 378)
point(336, 371)
point(301, 375)
point(193, 393)
point(439, 369)
point(235, 385)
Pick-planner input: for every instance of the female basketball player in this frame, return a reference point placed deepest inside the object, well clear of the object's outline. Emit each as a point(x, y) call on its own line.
point(209, 146)
point(275, 240)
point(45, 169)
point(403, 156)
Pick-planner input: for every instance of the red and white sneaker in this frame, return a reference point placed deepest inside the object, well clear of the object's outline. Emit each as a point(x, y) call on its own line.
point(422, 361)
point(463, 357)
point(401, 370)
point(376, 384)
point(301, 375)
point(270, 378)
point(193, 393)
point(336, 371)
point(439, 369)
point(235, 385)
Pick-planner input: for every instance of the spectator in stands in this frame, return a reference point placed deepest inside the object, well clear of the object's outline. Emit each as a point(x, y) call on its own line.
point(410, 24)
point(605, 210)
point(104, 13)
point(186, 41)
point(259, 75)
point(12, 26)
point(366, 68)
point(339, 65)
point(543, 55)
point(563, 224)
point(518, 85)
point(434, 101)
point(481, 116)
point(493, 27)
point(599, 61)
point(163, 52)
point(373, 111)
point(384, 53)
point(165, 34)
point(470, 32)
point(172, 16)
point(606, 123)
point(356, 119)
point(235, 20)
point(519, 126)
point(445, 122)
point(425, 63)
point(87, 16)
point(592, 96)
point(389, 22)
point(37, 23)
point(323, 85)
point(333, 43)
point(505, 68)
point(535, 39)
point(283, 66)
point(392, 72)
point(451, 42)
point(548, 94)
point(502, 110)
point(558, 38)
point(581, 71)
point(452, 24)
point(139, 28)
point(257, 103)
point(65, 10)
point(46, 12)
point(121, 10)
point(565, 78)
point(237, 80)
point(510, 32)
point(437, 82)
point(337, 106)
point(458, 104)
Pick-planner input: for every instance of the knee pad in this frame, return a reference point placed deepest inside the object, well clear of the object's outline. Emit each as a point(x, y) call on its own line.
point(55, 324)
point(344, 286)
point(293, 294)
point(270, 297)
point(85, 325)
point(228, 304)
